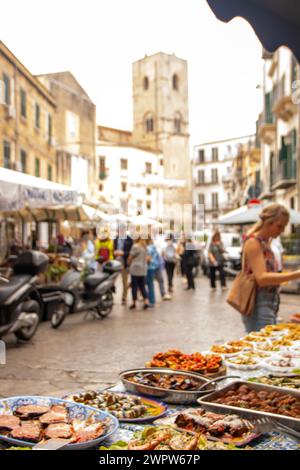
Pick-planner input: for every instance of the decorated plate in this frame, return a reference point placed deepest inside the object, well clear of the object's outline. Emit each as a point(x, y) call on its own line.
point(154, 409)
point(75, 411)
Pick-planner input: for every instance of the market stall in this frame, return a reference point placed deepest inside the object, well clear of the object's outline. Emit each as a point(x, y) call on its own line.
point(161, 407)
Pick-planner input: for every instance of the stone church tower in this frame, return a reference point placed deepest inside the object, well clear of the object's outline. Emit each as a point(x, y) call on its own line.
point(160, 118)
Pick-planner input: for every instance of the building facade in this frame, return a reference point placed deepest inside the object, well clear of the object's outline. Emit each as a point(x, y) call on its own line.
point(27, 120)
point(130, 178)
point(278, 128)
point(220, 183)
point(76, 132)
point(160, 118)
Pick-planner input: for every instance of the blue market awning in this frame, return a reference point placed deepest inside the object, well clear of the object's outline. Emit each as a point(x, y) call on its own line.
point(276, 22)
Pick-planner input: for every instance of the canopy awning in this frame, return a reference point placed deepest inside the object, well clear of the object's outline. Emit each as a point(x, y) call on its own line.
point(18, 190)
point(247, 215)
point(276, 22)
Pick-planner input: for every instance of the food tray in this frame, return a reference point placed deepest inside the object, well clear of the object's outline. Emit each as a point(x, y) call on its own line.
point(169, 396)
point(75, 410)
point(237, 441)
point(207, 403)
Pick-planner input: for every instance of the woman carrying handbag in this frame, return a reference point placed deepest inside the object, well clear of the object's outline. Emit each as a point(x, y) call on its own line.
point(255, 290)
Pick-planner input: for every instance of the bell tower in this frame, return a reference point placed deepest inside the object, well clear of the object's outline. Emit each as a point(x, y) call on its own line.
point(160, 117)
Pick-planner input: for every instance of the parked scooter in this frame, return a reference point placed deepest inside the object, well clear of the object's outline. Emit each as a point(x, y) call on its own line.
point(92, 294)
point(21, 306)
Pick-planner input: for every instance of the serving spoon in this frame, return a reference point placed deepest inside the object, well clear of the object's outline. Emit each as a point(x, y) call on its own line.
point(217, 379)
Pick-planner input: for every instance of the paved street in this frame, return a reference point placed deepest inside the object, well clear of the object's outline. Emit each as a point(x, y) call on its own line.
point(89, 353)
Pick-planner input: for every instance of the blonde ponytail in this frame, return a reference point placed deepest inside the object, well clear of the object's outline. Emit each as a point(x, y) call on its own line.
point(268, 215)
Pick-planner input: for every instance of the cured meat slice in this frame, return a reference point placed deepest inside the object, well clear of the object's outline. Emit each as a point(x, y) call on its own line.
point(88, 433)
point(8, 422)
point(28, 431)
point(58, 430)
point(31, 411)
point(57, 414)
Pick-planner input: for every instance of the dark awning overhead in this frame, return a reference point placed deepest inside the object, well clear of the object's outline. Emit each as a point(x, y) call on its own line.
point(276, 22)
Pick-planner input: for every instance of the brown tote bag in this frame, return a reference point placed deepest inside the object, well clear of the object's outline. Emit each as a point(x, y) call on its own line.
point(242, 292)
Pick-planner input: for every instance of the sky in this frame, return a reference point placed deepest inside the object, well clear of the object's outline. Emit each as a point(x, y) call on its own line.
point(97, 40)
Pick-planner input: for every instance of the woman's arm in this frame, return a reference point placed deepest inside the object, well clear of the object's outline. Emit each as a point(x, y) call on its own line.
point(256, 261)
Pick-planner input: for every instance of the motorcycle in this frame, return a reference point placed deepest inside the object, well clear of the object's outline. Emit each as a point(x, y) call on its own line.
point(21, 306)
point(93, 293)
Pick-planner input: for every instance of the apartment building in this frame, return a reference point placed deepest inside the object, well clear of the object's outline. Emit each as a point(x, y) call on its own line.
point(130, 177)
point(278, 128)
point(218, 176)
point(27, 120)
point(75, 118)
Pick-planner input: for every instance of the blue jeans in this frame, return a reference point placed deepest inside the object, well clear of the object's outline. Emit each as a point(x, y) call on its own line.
point(158, 275)
point(265, 310)
point(150, 285)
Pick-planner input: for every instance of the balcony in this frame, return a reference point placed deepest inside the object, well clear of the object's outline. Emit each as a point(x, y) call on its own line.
point(285, 175)
point(211, 208)
point(206, 182)
point(266, 128)
point(284, 108)
point(227, 181)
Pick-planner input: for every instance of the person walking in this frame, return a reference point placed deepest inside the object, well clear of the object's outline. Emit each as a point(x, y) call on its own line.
point(104, 247)
point(122, 246)
point(153, 265)
point(137, 261)
point(188, 262)
point(259, 259)
point(88, 250)
point(216, 261)
point(170, 257)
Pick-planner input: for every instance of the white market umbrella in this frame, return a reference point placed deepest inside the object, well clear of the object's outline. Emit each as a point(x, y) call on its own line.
point(247, 215)
point(143, 220)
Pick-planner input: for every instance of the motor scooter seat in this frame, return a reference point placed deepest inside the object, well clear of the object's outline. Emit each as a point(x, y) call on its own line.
point(92, 281)
point(15, 283)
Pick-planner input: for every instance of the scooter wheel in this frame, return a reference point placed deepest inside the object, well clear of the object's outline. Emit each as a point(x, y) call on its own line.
point(33, 309)
point(59, 315)
point(106, 306)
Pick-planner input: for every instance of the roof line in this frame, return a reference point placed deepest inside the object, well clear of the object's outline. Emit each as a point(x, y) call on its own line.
point(26, 73)
point(224, 140)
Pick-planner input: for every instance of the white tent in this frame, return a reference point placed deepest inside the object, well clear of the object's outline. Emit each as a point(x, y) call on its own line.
point(18, 190)
point(247, 215)
point(143, 220)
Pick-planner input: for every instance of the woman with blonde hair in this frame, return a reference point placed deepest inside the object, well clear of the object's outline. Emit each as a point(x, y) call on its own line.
point(260, 260)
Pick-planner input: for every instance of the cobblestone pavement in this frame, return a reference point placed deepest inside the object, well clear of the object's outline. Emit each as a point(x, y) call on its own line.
point(85, 353)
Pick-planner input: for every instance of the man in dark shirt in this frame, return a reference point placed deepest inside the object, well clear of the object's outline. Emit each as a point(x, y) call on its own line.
point(122, 247)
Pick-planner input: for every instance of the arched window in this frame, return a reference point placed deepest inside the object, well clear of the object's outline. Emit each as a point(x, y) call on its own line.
point(149, 123)
point(146, 83)
point(177, 123)
point(175, 82)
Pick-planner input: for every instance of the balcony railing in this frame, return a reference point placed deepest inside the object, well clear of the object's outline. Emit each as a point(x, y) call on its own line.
point(285, 175)
point(206, 182)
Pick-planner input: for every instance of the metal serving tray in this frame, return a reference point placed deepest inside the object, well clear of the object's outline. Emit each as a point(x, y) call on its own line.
point(207, 403)
point(166, 395)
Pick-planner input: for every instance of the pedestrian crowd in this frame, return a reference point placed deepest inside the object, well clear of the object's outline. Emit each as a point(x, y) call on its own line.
point(146, 262)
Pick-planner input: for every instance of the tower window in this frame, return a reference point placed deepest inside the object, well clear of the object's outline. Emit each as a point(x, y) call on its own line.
point(175, 82)
point(146, 83)
point(149, 124)
point(177, 123)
